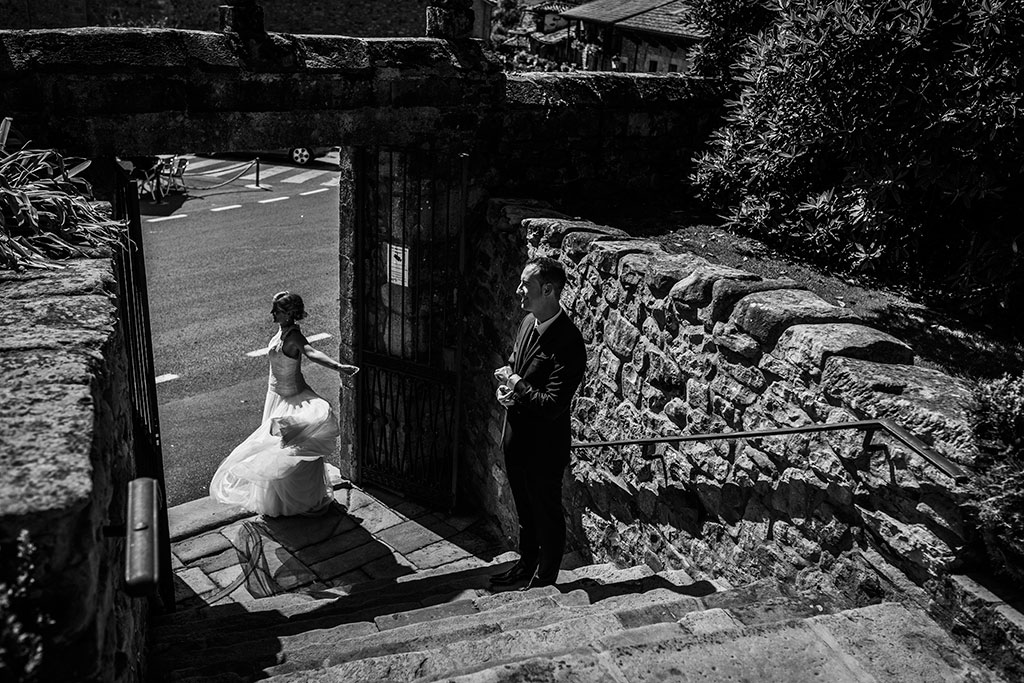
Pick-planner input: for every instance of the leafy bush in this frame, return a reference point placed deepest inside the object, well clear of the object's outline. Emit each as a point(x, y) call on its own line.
point(999, 485)
point(46, 211)
point(882, 135)
point(22, 625)
point(727, 26)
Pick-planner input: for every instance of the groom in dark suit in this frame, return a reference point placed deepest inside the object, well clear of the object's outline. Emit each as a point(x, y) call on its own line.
point(536, 388)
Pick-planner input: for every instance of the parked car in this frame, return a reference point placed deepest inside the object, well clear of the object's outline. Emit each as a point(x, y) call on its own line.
point(303, 155)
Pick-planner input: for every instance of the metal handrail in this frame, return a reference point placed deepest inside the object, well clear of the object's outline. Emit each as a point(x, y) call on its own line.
point(949, 468)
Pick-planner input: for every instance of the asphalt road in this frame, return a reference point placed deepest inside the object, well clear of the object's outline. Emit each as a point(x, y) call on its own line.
point(212, 272)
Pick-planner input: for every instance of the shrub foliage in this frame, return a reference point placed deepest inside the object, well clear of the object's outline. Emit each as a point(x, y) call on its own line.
point(999, 484)
point(47, 211)
point(877, 135)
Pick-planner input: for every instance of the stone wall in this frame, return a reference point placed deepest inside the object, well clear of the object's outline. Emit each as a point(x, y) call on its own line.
point(334, 17)
point(678, 344)
point(66, 460)
point(95, 93)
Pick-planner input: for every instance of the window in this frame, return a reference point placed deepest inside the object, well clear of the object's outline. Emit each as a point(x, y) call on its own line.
point(673, 67)
point(652, 66)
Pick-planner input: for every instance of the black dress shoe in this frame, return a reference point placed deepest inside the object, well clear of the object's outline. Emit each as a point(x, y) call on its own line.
point(518, 572)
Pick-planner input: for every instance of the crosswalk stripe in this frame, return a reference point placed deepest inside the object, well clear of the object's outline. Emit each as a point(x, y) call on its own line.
point(333, 182)
point(266, 172)
point(233, 168)
point(303, 177)
point(201, 163)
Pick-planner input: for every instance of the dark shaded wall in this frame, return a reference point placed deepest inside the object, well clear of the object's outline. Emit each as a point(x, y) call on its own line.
point(333, 17)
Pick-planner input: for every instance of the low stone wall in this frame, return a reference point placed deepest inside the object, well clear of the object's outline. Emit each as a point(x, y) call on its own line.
point(66, 460)
point(678, 344)
point(98, 93)
point(338, 17)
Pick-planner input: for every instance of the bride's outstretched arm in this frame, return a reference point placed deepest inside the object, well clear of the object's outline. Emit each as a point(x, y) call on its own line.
point(328, 362)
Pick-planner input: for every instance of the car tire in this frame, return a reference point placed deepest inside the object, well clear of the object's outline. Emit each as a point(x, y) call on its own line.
point(300, 155)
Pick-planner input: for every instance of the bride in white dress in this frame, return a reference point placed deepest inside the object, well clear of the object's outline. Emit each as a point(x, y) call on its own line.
point(279, 470)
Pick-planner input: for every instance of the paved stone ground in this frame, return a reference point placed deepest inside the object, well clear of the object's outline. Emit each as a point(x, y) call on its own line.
point(223, 554)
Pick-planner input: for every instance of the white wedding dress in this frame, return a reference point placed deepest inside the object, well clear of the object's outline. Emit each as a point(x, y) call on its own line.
point(279, 469)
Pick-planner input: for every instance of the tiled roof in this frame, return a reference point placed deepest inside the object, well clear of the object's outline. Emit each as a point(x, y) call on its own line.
point(672, 19)
point(611, 11)
point(552, 6)
point(551, 38)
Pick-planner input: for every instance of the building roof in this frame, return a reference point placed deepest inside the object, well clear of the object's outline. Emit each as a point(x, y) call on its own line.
point(557, 6)
point(672, 19)
point(611, 11)
point(551, 38)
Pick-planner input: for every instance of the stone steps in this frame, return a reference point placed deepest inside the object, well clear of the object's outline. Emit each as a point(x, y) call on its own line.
point(600, 623)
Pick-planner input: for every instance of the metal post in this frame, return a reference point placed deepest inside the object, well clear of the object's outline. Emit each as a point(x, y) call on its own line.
point(257, 171)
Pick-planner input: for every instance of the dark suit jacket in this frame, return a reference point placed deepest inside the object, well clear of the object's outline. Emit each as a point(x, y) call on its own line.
point(551, 369)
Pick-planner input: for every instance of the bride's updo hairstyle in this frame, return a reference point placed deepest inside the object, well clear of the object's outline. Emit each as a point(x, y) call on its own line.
point(290, 304)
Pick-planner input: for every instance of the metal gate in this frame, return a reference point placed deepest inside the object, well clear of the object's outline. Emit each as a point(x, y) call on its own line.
point(133, 308)
point(409, 218)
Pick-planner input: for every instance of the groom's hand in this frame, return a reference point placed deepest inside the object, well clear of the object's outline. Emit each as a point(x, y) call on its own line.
point(505, 396)
point(503, 374)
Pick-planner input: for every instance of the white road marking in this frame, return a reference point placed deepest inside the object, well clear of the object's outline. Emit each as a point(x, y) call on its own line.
point(311, 338)
point(304, 176)
point(165, 378)
point(225, 208)
point(266, 172)
point(200, 163)
point(259, 187)
point(166, 218)
point(273, 199)
point(322, 189)
point(234, 168)
point(333, 182)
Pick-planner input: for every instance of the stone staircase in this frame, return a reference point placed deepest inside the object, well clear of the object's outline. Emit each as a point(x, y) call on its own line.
point(600, 623)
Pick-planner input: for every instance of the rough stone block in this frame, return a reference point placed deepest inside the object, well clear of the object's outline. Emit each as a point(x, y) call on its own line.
point(658, 272)
point(809, 346)
point(727, 291)
point(553, 230)
point(765, 315)
point(929, 404)
point(606, 254)
point(728, 336)
point(696, 288)
point(913, 543)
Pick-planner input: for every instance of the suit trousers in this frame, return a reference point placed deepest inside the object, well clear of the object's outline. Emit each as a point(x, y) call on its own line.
point(537, 493)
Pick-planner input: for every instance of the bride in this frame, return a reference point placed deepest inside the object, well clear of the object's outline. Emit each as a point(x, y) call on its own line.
point(279, 470)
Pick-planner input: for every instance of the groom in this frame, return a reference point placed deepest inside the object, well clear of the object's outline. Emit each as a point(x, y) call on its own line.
point(536, 387)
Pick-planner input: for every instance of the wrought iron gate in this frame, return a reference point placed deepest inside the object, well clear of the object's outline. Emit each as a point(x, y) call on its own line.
point(410, 213)
point(133, 309)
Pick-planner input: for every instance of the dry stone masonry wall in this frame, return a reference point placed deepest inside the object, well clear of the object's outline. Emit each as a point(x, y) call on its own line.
point(678, 344)
point(66, 460)
point(338, 17)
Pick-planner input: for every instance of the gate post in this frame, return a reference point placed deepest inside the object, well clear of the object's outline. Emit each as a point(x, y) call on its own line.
point(346, 318)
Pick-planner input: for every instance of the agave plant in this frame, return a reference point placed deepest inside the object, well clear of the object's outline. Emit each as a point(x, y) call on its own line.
point(47, 212)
